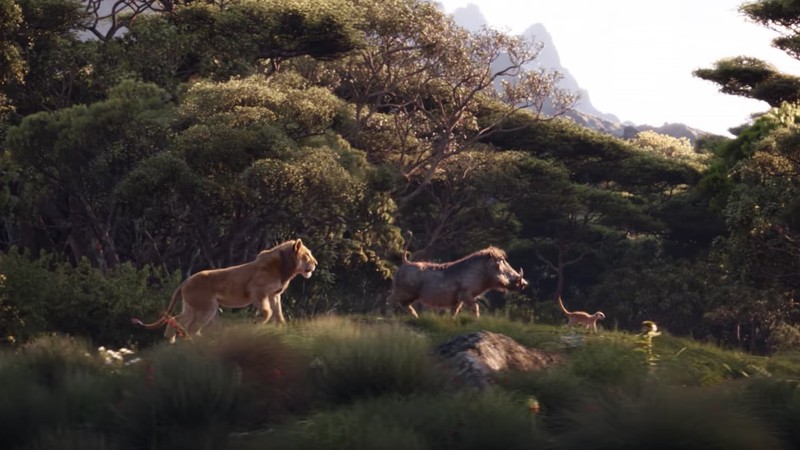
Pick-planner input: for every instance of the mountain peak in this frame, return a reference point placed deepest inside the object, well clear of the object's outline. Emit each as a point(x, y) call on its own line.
point(470, 17)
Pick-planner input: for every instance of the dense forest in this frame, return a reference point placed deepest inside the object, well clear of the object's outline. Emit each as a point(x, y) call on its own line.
point(144, 143)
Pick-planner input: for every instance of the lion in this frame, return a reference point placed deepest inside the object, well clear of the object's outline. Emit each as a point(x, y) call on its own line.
point(259, 283)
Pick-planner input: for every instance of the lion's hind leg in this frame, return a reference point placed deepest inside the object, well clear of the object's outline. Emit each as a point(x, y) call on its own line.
point(198, 311)
point(202, 318)
point(179, 325)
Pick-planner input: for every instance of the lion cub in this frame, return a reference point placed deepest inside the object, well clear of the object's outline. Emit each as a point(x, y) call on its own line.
point(581, 317)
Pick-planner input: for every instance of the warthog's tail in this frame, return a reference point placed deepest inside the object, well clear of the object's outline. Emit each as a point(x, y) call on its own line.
point(561, 304)
point(409, 235)
point(166, 317)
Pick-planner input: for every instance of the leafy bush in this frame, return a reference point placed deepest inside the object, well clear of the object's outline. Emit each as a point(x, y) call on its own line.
point(48, 295)
point(783, 336)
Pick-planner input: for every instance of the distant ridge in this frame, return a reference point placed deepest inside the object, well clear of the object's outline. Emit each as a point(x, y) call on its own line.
point(584, 114)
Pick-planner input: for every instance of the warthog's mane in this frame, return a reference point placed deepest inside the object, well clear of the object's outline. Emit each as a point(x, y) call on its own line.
point(488, 252)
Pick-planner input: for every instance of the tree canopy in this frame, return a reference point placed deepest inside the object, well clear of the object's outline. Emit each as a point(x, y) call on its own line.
point(158, 139)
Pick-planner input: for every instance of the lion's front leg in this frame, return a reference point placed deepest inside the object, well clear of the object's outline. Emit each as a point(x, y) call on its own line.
point(266, 308)
point(276, 304)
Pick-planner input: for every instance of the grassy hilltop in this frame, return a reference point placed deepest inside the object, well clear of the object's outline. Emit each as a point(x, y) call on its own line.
point(362, 383)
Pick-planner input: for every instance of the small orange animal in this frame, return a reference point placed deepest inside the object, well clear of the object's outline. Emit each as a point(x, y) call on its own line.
point(581, 317)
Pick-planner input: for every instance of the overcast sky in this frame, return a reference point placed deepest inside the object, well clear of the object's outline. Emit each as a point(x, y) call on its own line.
point(636, 57)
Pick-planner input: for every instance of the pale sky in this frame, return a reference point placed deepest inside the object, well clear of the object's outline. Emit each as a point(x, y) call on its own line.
point(636, 57)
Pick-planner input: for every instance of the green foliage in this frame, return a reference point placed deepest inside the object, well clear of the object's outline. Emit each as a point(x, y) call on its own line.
point(442, 328)
point(365, 383)
point(354, 361)
point(273, 370)
point(776, 402)
point(181, 398)
point(748, 77)
point(604, 363)
point(10, 53)
point(51, 383)
point(477, 420)
point(240, 36)
point(45, 294)
point(664, 418)
point(674, 295)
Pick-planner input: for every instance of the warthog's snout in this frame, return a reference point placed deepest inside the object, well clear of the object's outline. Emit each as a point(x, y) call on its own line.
point(520, 283)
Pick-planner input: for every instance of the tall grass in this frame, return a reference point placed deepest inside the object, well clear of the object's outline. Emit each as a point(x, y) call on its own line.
point(180, 398)
point(659, 418)
point(353, 360)
point(474, 420)
point(442, 328)
point(345, 382)
point(50, 383)
point(274, 371)
point(776, 402)
point(194, 394)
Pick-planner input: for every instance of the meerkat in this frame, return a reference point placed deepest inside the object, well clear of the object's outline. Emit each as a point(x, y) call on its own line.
point(581, 317)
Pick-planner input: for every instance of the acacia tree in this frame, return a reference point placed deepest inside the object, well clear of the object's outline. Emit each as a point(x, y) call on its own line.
point(753, 78)
point(421, 85)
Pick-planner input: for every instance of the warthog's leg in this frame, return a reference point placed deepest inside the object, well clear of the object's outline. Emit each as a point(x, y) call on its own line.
point(404, 300)
point(456, 308)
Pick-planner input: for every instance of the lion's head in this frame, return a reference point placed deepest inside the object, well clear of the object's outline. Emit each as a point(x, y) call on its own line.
point(306, 263)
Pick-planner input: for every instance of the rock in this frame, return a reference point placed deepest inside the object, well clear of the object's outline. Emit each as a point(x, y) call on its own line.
point(476, 358)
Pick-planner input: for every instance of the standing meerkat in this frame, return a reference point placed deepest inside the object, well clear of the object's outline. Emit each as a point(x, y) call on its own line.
point(581, 317)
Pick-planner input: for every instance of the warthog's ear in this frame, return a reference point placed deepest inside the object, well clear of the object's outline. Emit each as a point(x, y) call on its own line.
point(297, 245)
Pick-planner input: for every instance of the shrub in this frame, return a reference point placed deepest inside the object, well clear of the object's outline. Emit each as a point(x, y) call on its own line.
point(783, 336)
point(357, 360)
point(44, 294)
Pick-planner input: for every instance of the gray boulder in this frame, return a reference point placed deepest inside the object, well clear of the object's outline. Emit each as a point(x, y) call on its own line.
point(477, 358)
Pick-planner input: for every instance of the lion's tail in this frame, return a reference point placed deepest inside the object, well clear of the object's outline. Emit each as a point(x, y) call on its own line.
point(561, 304)
point(165, 317)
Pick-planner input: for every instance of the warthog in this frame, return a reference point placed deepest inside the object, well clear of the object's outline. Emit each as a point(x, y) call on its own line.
point(454, 283)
